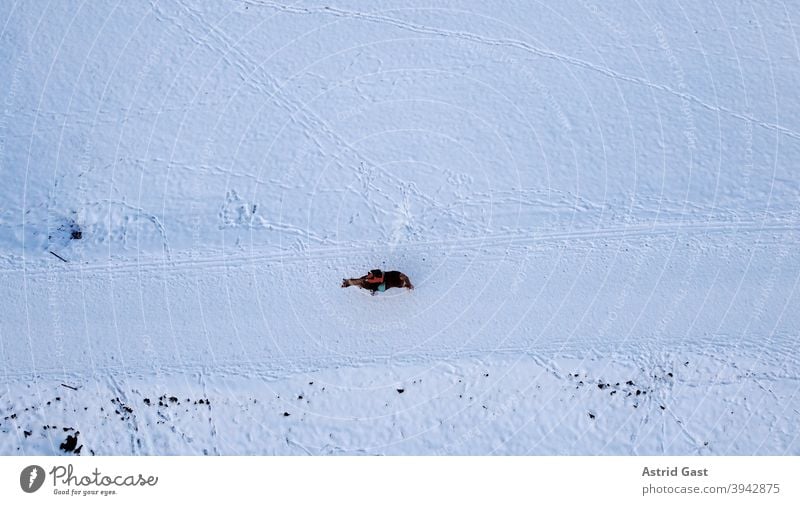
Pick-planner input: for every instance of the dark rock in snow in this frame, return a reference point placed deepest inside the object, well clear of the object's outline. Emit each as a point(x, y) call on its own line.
point(70, 443)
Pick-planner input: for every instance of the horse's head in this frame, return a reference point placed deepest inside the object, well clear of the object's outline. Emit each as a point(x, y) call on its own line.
point(345, 283)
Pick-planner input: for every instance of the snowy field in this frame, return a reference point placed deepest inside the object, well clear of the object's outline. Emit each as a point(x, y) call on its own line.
point(598, 203)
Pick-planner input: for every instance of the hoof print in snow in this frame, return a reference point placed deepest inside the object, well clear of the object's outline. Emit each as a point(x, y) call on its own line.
point(400, 390)
point(591, 416)
point(286, 414)
point(236, 212)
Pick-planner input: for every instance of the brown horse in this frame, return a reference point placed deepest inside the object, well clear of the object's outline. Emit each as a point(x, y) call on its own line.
point(391, 279)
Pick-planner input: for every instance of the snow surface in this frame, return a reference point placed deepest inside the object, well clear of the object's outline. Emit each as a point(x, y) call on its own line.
point(598, 204)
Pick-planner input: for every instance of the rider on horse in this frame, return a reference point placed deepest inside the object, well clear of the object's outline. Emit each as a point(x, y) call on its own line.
point(375, 278)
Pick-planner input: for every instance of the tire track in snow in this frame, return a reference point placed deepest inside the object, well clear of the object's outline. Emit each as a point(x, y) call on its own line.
point(576, 347)
point(470, 244)
point(132, 423)
point(314, 127)
point(201, 377)
point(529, 48)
